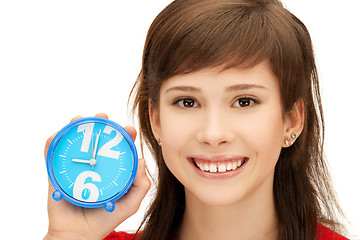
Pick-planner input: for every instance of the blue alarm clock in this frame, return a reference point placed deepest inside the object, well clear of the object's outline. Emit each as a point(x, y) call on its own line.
point(91, 162)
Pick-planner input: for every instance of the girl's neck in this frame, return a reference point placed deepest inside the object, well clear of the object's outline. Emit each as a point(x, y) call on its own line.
point(252, 218)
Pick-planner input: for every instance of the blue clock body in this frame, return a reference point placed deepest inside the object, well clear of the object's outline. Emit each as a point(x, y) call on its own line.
point(92, 162)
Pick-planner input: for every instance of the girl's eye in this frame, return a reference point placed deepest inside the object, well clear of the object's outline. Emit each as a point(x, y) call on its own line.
point(245, 102)
point(186, 103)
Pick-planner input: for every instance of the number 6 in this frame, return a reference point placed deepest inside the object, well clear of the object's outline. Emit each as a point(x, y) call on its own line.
point(80, 186)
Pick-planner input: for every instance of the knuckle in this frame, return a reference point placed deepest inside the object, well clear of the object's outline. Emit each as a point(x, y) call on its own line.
point(147, 184)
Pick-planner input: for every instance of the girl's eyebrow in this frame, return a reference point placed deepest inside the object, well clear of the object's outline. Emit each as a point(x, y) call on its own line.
point(233, 88)
point(238, 87)
point(184, 88)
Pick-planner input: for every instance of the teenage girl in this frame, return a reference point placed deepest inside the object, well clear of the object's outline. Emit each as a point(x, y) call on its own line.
point(229, 106)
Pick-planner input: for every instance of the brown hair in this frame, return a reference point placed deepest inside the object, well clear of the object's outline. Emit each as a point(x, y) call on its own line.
point(189, 35)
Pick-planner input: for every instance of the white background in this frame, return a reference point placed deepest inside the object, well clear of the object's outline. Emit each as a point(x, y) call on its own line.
point(59, 59)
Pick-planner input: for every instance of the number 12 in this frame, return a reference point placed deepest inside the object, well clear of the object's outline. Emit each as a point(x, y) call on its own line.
point(105, 150)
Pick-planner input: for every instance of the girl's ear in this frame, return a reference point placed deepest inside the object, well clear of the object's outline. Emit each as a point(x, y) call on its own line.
point(154, 117)
point(294, 123)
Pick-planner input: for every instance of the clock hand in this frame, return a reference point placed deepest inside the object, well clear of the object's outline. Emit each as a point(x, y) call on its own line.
point(81, 161)
point(92, 162)
point(92, 144)
point(96, 145)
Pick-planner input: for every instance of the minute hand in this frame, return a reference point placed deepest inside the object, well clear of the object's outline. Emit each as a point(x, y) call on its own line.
point(96, 145)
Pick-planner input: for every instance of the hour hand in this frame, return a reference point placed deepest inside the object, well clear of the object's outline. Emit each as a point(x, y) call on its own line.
point(81, 161)
point(92, 162)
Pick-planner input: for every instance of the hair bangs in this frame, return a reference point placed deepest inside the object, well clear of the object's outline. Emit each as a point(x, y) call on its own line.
point(225, 34)
point(222, 38)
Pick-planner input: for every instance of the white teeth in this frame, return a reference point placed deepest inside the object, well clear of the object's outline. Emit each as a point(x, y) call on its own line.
point(234, 165)
point(229, 166)
point(213, 167)
point(201, 166)
point(222, 168)
point(218, 167)
point(206, 167)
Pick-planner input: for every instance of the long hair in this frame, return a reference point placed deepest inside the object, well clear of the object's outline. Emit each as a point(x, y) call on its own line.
point(190, 35)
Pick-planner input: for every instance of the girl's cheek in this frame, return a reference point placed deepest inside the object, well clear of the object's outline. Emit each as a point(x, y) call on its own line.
point(263, 130)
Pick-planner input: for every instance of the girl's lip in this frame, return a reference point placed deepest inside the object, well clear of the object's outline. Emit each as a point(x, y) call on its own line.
point(216, 158)
point(223, 166)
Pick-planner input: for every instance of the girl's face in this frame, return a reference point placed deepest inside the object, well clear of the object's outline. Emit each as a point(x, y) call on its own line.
point(222, 132)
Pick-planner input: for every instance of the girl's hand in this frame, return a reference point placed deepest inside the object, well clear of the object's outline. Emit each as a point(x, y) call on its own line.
point(67, 221)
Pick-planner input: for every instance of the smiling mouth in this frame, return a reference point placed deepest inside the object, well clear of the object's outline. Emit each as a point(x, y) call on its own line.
point(220, 166)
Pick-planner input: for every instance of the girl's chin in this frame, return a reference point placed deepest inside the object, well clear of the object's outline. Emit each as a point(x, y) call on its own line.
point(216, 198)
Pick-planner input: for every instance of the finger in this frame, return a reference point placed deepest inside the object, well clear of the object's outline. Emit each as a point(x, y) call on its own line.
point(130, 202)
point(47, 144)
point(102, 115)
point(141, 178)
point(131, 131)
point(49, 140)
point(76, 118)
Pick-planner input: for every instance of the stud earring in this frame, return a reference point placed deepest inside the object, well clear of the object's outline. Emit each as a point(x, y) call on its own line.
point(290, 141)
point(159, 142)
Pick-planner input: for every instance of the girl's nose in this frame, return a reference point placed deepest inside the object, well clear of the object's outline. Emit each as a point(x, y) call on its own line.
point(215, 130)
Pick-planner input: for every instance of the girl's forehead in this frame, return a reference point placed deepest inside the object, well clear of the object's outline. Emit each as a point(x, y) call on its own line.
point(260, 74)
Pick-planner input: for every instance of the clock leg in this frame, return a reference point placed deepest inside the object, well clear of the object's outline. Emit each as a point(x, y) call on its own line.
point(109, 206)
point(57, 196)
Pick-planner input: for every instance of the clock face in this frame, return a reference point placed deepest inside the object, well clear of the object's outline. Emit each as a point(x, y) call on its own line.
point(92, 160)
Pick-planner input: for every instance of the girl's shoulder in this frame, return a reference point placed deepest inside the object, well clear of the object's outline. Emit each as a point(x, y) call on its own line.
point(120, 236)
point(325, 233)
